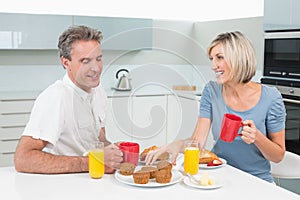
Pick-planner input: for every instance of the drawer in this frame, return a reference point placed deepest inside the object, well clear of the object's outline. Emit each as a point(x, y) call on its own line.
point(8, 146)
point(6, 159)
point(16, 106)
point(9, 120)
point(11, 133)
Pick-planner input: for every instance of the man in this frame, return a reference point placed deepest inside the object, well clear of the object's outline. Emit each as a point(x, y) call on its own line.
point(68, 117)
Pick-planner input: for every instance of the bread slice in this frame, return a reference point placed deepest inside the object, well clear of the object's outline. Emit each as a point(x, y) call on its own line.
point(206, 156)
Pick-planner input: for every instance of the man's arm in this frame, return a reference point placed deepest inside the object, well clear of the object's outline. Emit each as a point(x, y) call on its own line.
point(30, 158)
point(102, 137)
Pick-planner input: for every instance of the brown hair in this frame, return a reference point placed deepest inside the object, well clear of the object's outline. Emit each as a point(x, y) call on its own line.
point(73, 34)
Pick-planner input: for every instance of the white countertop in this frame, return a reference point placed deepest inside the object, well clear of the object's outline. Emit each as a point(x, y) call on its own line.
point(16, 95)
point(236, 185)
point(24, 95)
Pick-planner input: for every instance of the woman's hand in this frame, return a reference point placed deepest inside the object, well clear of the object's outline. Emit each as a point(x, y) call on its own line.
point(249, 132)
point(173, 148)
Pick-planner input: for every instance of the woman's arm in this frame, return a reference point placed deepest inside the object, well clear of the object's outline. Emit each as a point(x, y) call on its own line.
point(201, 131)
point(273, 148)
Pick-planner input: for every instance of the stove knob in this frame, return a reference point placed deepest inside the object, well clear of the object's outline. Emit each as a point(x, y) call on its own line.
point(291, 91)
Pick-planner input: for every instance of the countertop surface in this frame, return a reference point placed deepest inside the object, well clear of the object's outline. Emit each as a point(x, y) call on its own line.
point(29, 95)
point(235, 185)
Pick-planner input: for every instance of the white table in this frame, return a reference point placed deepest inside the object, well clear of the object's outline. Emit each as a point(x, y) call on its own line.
point(237, 185)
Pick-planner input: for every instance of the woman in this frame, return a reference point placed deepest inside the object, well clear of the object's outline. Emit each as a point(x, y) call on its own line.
point(260, 106)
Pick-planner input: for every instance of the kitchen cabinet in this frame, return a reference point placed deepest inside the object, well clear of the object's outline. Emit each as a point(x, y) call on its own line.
point(41, 31)
point(182, 117)
point(31, 31)
point(118, 124)
point(14, 115)
point(120, 33)
point(281, 14)
point(149, 120)
point(140, 119)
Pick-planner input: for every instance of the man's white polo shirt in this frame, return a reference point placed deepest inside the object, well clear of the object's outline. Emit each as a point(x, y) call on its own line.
point(67, 117)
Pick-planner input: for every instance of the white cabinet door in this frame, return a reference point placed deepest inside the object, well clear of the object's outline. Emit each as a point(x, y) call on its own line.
point(182, 117)
point(149, 120)
point(272, 19)
point(295, 12)
point(118, 122)
point(30, 31)
point(120, 33)
point(14, 115)
point(139, 119)
point(281, 14)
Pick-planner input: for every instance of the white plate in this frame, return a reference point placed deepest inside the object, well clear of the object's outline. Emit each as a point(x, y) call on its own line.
point(204, 166)
point(191, 183)
point(176, 177)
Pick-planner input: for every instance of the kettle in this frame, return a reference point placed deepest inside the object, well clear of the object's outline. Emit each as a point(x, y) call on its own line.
point(124, 82)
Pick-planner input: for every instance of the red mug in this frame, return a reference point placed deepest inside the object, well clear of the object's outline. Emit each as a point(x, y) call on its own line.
point(130, 152)
point(230, 127)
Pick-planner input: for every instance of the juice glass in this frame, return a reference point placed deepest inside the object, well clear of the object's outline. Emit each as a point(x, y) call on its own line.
point(96, 160)
point(191, 157)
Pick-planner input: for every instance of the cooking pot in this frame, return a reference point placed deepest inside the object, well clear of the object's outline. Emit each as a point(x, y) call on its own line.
point(124, 82)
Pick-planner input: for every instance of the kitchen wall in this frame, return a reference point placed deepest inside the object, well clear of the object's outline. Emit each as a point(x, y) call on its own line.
point(178, 45)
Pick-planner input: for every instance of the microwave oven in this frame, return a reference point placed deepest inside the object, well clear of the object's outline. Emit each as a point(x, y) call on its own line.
point(282, 70)
point(282, 55)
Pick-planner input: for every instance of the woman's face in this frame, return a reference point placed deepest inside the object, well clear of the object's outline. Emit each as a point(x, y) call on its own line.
point(220, 66)
point(85, 67)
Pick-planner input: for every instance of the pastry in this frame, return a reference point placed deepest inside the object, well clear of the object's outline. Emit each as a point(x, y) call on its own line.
point(164, 165)
point(141, 177)
point(152, 170)
point(163, 176)
point(206, 156)
point(163, 156)
point(127, 168)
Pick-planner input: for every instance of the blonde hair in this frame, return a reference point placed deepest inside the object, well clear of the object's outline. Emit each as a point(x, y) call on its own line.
point(238, 53)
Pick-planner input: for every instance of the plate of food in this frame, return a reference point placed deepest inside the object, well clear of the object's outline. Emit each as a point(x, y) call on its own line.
point(160, 175)
point(209, 160)
point(220, 162)
point(204, 181)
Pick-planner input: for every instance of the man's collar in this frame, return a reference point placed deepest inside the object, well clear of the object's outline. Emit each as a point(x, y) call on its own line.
point(83, 94)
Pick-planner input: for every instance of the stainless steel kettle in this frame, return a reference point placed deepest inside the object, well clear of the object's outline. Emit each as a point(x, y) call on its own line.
point(124, 82)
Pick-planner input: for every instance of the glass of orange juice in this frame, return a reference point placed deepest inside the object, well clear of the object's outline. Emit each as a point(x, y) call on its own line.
point(191, 157)
point(96, 160)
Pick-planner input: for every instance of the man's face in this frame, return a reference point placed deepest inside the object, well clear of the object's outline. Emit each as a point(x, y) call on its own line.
point(85, 66)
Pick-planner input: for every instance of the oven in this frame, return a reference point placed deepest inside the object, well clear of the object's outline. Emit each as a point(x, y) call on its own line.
point(282, 69)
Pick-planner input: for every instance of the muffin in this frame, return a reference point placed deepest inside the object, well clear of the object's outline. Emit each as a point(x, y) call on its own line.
point(141, 177)
point(127, 169)
point(152, 170)
point(163, 176)
point(164, 165)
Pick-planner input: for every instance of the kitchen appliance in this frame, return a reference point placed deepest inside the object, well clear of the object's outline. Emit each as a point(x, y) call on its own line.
point(282, 69)
point(124, 82)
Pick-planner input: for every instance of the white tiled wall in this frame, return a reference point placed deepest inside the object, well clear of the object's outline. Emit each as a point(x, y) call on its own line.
point(154, 73)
